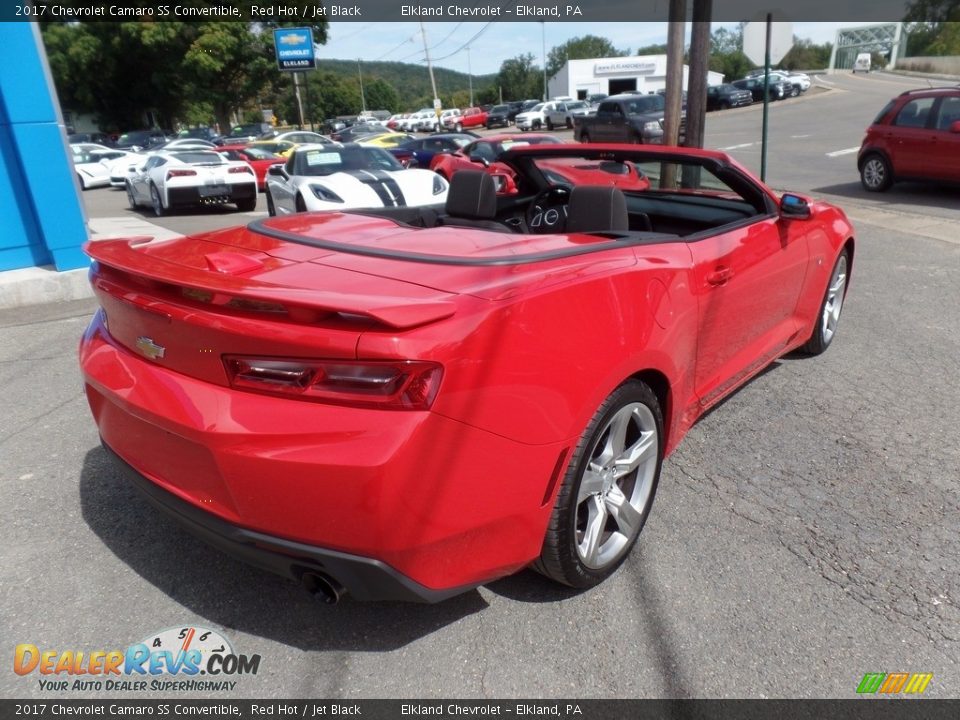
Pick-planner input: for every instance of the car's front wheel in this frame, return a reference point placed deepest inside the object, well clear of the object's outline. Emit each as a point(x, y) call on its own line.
point(549, 124)
point(607, 491)
point(830, 308)
point(876, 175)
point(458, 127)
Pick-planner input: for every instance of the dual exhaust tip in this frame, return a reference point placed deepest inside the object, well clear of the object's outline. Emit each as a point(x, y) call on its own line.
point(323, 587)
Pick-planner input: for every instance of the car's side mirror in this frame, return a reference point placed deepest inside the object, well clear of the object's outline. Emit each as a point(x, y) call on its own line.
point(794, 207)
point(276, 171)
point(480, 159)
point(955, 126)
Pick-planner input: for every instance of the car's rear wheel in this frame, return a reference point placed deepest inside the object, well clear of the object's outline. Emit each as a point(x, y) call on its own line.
point(876, 175)
point(607, 491)
point(247, 205)
point(830, 308)
point(157, 202)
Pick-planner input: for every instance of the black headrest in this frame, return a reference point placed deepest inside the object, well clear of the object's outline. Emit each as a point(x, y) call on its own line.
point(597, 208)
point(472, 194)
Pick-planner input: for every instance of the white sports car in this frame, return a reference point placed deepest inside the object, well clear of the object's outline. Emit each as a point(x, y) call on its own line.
point(180, 178)
point(92, 163)
point(349, 176)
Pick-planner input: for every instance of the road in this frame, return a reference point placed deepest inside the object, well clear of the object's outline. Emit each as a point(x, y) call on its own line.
point(807, 531)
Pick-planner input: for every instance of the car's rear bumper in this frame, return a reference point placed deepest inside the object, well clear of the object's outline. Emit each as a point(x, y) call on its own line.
point(364, 578)
point(443, 504)
point(196, 195)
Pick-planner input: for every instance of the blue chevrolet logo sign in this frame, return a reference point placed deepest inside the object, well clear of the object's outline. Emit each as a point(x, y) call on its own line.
point(294, 47)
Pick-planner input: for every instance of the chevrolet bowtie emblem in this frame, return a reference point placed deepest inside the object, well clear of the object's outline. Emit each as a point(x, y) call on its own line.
point(149, 348)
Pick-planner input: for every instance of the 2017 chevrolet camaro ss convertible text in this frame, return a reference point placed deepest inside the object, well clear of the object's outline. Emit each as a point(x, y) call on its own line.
point(407, 402)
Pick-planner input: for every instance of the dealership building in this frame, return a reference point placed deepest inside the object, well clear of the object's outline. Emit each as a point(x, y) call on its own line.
point(611, 76)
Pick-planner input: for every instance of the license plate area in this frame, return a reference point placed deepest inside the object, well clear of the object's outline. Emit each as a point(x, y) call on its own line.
point(214, 190)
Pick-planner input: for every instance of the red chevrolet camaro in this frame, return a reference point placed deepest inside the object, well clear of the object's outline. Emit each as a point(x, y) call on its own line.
point(405, 403)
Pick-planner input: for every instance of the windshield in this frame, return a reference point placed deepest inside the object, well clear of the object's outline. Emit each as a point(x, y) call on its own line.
point(198, 158)
point(500, 109)
point(328, 160)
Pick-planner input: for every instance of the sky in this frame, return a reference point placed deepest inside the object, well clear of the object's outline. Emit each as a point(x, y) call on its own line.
point(402, 42)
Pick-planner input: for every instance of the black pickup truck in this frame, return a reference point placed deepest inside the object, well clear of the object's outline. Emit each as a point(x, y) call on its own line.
point(625, 118)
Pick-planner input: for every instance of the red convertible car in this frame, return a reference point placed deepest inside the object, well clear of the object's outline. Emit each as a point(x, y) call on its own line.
point(408, 402)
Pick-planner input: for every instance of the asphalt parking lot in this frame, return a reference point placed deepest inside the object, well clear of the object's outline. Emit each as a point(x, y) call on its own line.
point(806, 532)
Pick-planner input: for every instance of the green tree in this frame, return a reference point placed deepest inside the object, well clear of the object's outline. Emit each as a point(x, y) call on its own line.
point(805, 55)
point(381, 95)
point(580, 48)
point(519, 78)
point(726, 53)
point(652, 50)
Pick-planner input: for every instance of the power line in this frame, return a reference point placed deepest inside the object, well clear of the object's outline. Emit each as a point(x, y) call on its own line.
point(466, 44)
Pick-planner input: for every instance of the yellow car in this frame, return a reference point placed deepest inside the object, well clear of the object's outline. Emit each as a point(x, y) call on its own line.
point(387, 140)
point(283, 148)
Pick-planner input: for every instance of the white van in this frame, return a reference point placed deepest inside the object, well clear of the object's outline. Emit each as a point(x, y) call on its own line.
point(862, 63)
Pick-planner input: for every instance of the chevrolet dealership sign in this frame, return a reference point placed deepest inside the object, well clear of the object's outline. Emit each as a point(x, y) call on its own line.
point(294, 48)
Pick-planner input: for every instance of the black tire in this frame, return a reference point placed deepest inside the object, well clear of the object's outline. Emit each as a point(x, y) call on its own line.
point(271, 209)
point(247, 205)
point(130, 196)
point(549, 124)
point(584, 137)
point(156, 201)
point(876, 175)
point(569, 123)
point(724, 105)
point(537, 125)
point(561, 557)
point(458, 127)
point(300, 204)
point(825, 329)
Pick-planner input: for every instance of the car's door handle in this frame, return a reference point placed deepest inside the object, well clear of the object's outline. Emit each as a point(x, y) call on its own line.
point(719, 276)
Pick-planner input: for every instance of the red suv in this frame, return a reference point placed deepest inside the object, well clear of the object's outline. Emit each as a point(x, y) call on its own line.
point(915, 137)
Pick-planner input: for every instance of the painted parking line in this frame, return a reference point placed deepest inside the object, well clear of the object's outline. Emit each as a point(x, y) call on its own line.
point(848, 151)
point(737, 147)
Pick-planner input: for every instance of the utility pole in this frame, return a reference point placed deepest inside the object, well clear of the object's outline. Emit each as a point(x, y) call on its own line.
point(543, 40)
point(674, 79)
point(697, 79)
point(363, 99)
point(433, 82)
point(470, 76)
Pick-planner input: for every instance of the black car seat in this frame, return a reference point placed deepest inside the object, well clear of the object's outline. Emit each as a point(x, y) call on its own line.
point(598, 208)
point(472, 202)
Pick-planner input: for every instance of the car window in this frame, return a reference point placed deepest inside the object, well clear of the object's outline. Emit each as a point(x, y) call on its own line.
point(326, 161)
point(949, 112)
point(914, 113)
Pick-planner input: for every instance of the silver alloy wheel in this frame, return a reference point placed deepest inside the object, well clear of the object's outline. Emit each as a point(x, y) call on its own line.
point(834, 300)
point(156, 201)
point(616, 486)
point(874, 173)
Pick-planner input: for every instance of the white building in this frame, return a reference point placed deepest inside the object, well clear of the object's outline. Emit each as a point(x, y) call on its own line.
point(611, 76)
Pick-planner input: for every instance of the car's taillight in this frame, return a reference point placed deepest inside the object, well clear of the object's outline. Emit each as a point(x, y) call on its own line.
point(180, 173)
point(387, 384)
point(240, 169)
